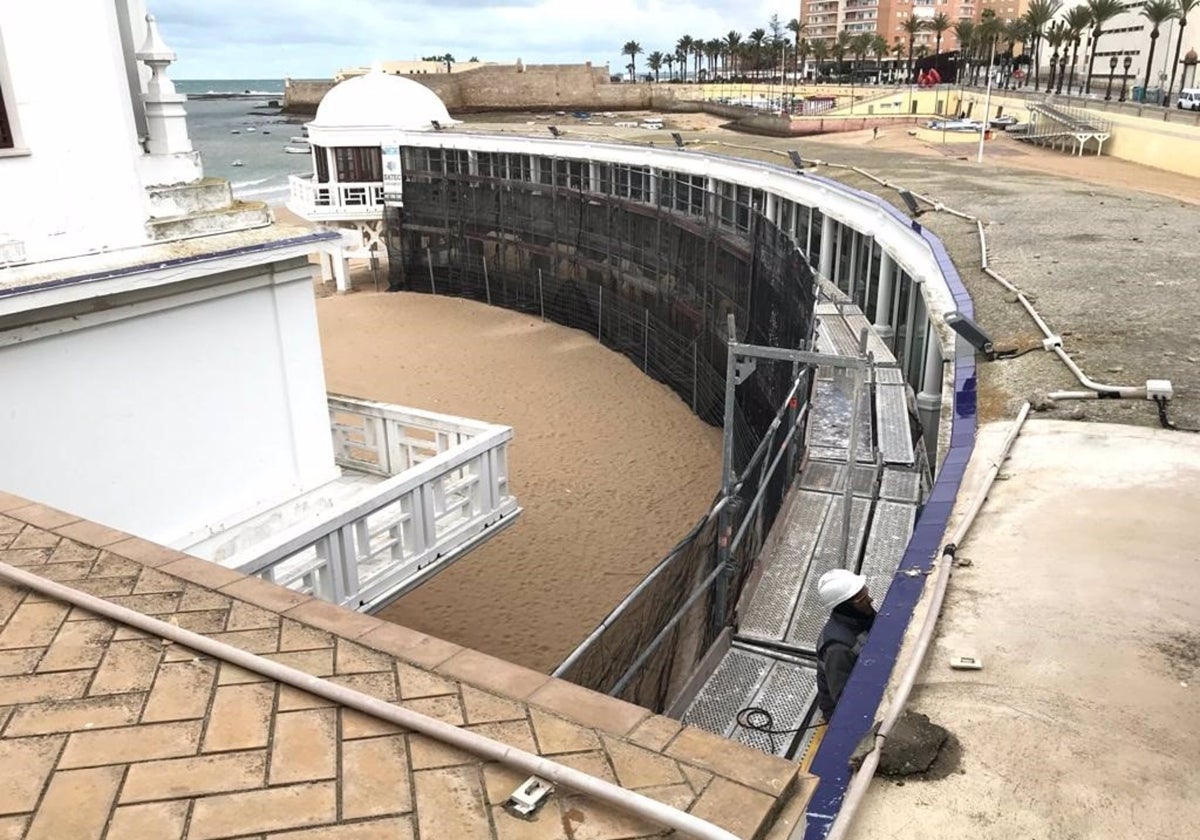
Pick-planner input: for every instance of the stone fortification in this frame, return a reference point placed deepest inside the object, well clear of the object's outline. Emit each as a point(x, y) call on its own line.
point(510, 87)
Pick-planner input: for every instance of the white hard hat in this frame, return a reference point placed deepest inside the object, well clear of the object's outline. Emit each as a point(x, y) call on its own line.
point(838, 586)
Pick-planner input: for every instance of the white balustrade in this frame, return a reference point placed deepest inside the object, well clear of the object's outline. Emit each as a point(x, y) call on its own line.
point(447, 490)
point(317, 200)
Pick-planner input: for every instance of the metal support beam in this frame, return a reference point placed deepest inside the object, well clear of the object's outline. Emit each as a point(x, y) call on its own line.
point(804, 357)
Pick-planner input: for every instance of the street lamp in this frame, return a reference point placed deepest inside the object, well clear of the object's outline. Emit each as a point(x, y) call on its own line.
point(1112, 69)
point(1125, 76)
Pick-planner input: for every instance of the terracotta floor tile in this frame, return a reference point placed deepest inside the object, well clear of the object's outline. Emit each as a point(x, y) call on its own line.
point(157, 820)
point(589, 707)
point(261, 593)
point(374, 778)
point(35, 688)
point(35, 758)
point(13, 828)
point(304, 746)
point(180, 778)
point(546, 824)
point(388, 828)
point(91, 533)
point(33, 625)
point(589, 820)
point(76, 804)
point(78, 645)
point(445, 707)
point(132, 743)
point(296, 636)
point(240, 717)
point(272, 809)
point(485, 707)
point(75, 715)
point(127, 666)
point(418, 682)
point(356, 659)
point(450, 803)
point(181, 691)
point(556, 735)
point(733, 807)
point(637, 768)
point(493, 674)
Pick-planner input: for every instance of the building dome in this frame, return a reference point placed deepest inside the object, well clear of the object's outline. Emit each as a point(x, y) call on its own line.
point(379, 100)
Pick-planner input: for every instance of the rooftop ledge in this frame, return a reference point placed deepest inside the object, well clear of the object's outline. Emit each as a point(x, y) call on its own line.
point(242, 247)
point(147, 729)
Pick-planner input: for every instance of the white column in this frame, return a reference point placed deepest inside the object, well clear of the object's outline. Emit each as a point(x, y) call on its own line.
point(883, 300)
point(931, 375)
point(341, 269)
point(772, 208)
point(825, 266)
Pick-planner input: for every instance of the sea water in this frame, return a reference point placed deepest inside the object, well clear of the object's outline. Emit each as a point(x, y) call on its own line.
point(218, 107)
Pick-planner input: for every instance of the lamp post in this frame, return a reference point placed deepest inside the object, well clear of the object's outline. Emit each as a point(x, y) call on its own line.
point(1125, 76)
point(1112, 69)
point(987, 104)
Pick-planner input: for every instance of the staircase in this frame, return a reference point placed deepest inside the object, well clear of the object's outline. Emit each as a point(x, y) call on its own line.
point(1062, 127)
point(200, 208)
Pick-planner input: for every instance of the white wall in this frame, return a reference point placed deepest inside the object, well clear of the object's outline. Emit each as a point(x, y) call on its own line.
point(77, 190)
point(168, 422)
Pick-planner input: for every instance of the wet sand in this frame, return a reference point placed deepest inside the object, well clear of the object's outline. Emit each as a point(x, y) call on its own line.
point(610, 466)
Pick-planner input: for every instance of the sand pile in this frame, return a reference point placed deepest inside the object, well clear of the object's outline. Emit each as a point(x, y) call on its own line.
point(610, 467)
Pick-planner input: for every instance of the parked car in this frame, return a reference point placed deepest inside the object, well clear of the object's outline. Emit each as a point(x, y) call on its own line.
point(1189, 99)
point(1004, 122)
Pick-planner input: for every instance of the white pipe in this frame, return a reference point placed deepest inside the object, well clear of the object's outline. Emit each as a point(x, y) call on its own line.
point(626, 800)
point(862, 779)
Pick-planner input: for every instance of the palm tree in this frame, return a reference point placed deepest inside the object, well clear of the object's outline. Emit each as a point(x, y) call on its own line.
point(1037, 18)
point(683, 49)
point(840, 46)
point(1078, 19)
point(1055, 36)
point(991, 29)
point(732, 41)
point(713, 49)
point(803, 50)
point(756, 39)
point(669, 60)
point(795, 27)
point(964, 32)
point(860, 45)
point(698, 48)
point(632, 49)
point(1182, 7)
point(449, 60)
point(1102, 11)
point(1014, 32)
point(911, 28)
point(898, 52)
point(879, 48)
point(655, 62)
point(1157, 12)
point(939, 23)
point(820, 51)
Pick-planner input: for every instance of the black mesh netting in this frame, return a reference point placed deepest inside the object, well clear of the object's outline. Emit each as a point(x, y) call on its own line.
point(656, 285)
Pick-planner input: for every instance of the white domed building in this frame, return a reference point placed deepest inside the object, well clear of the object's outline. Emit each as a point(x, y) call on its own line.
point(356, 160)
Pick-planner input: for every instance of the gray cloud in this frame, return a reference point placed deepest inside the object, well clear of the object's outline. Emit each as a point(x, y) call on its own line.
point(313, 38)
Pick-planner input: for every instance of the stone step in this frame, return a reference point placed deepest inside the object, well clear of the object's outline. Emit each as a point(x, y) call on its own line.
point(203, 196)
point(240, 215)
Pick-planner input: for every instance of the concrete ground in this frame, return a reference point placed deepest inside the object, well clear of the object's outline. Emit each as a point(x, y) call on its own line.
point(1076, 589)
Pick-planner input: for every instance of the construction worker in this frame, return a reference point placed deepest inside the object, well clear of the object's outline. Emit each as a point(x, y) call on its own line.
point(851, 616)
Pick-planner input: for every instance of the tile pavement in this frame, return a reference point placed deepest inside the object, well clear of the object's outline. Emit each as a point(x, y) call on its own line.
point(107, 732)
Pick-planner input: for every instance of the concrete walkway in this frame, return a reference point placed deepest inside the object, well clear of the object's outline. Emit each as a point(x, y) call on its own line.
point(1081, 600)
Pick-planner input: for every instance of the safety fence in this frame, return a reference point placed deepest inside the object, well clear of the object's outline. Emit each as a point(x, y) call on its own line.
point(656, 285)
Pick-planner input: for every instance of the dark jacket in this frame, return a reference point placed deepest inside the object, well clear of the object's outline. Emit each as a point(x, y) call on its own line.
point(838, 647)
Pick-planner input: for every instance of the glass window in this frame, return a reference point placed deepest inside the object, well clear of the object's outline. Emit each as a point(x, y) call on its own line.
point(815, 225)
point(359, 163)
point(321, 158)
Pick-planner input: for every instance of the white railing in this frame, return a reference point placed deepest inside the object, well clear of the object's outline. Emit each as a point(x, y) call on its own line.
point(447, 491)
point(311, 199)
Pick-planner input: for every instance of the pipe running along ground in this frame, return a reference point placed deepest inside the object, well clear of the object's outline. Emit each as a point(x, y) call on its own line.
point(606, 792)
point(858, 786)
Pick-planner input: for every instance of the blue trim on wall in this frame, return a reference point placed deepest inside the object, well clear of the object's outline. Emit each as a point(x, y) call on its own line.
point(859, 703)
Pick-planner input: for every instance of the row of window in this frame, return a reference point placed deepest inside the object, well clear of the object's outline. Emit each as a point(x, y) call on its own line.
point(855, 262)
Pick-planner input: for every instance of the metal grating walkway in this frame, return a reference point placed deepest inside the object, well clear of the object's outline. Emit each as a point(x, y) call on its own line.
point(745, 678)
point(770, 663)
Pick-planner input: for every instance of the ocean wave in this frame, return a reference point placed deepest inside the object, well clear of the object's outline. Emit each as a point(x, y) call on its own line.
point(271, 195)
point(241, 185)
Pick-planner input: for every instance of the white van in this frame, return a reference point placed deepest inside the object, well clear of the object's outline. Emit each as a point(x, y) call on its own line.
point(1189, 98)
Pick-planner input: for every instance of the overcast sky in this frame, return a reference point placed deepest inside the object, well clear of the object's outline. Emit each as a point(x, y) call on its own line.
point(232, 39)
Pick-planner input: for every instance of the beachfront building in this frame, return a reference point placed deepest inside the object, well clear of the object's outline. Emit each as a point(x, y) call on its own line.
point(159, 355)
point(345, 190)
point(668, 255)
